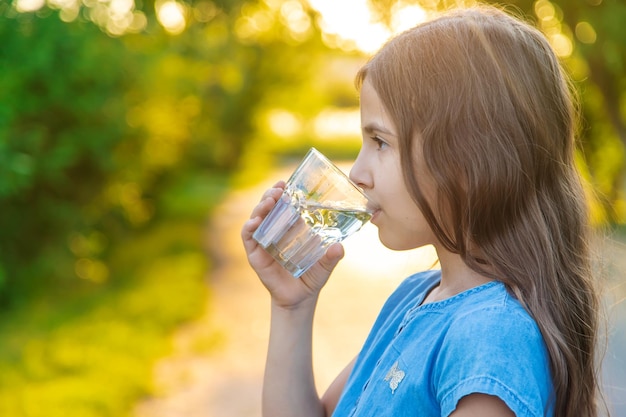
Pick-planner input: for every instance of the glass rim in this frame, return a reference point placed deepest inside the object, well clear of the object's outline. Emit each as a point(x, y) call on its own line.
point(334, 167)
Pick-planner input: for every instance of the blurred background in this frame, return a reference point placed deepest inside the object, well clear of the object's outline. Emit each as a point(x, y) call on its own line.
point(130, 129)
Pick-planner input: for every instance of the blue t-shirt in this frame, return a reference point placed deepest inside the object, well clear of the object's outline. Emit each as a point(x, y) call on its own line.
point(420, 360)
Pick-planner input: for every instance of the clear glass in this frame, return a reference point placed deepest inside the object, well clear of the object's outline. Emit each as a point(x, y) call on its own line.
point(320, 206)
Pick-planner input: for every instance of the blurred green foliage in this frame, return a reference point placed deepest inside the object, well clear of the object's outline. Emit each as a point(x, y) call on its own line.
point(114, 150)
point(98, 134)
point(94, 356)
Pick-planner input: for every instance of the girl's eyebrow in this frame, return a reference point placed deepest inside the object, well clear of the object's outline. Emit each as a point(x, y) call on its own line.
point(375, 127)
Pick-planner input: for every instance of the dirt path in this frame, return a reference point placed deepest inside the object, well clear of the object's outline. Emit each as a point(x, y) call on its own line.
point(216, 368)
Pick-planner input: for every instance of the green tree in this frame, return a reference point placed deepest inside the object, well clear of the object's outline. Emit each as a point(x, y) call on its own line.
point(101, 124)
point(598, 65)
point(61, 113)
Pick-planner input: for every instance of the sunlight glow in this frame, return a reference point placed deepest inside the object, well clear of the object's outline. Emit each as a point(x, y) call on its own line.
point(253, 22)
point(171, 16)
point(544, 10)
point(332, 123)
point(296, 19)
point(24, 6)
point(407, 16)
point(351, 25)
point(62, 4)
point(283, 123)
point(562, 45)
point(69, 9)
point(121, 7)
point(117, 17)
point(550, 17)
point(350, 21)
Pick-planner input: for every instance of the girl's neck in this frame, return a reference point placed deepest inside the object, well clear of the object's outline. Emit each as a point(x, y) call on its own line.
point(456, 277)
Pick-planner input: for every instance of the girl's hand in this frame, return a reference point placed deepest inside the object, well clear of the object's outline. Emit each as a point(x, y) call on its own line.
point(286, 291)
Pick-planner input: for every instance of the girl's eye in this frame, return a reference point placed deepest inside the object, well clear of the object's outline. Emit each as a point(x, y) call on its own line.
point(380, 143)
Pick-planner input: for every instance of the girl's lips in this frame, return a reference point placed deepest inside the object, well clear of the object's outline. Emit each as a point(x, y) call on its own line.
point(375, 213)
point(371, 207)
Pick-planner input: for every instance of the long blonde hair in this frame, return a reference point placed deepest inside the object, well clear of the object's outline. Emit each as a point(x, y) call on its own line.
point(485, 97)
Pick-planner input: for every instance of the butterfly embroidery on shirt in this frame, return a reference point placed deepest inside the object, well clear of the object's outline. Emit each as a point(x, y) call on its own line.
point(394, 376)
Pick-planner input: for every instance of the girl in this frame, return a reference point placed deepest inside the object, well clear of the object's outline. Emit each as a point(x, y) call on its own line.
point(468, 145)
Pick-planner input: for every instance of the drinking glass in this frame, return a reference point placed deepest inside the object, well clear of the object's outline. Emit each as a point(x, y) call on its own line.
point(319, 206)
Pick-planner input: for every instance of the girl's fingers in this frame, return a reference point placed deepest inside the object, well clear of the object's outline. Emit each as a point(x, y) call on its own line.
point(263, 208)
point(248, 230)
point(276, 190)
point(280, 184)
point(269, 199)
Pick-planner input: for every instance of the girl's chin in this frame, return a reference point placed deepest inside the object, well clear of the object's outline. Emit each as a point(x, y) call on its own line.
point(393, 243)
point(389, 243)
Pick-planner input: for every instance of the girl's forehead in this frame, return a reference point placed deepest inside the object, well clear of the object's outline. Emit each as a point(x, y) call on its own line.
point(374, 115)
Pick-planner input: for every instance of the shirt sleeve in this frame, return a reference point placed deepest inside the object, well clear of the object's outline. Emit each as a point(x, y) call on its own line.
point(497, 351)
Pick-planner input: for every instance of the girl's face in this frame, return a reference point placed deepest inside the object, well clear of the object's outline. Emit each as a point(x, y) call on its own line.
point(377, 170)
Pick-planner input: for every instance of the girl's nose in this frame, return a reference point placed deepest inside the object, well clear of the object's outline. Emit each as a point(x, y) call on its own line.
point(359, 174)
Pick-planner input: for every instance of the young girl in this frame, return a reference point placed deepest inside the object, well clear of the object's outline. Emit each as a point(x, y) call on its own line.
point(468, 145)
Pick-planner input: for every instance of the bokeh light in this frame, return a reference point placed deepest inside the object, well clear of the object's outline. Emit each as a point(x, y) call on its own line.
point(337, 123)
point(348, 25)
point(550, 18)
point(351, 24)
point(585, 32)
point(24, 6)
point(284, 123)
point(171, 15)
point(296, 19)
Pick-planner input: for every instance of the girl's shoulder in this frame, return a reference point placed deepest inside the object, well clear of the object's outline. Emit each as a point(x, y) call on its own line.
point(487, 314)
point(491, 299)
point(491, 306)
point(491, 344)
